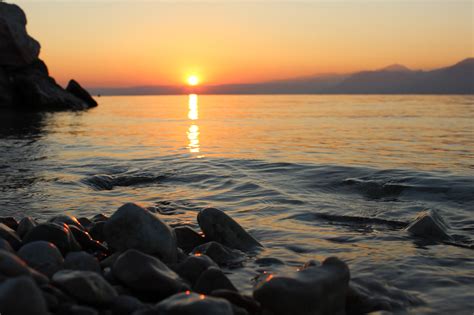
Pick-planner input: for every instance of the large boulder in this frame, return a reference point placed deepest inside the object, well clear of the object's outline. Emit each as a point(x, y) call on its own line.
point(132, 226)
point(21, 295)
point(78, 91)
point(17, 48)
point(42, 256)
point(146, 274)
point(189, 303)
point(218, 226)
point(87, 287)
point(313, 290)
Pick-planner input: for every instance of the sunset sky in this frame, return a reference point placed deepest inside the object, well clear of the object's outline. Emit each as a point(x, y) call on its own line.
point(129, 43)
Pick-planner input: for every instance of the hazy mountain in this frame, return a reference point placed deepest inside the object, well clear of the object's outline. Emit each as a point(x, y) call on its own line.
point(393, 79)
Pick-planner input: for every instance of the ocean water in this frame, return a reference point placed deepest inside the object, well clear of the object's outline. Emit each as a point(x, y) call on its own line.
point(308, 176)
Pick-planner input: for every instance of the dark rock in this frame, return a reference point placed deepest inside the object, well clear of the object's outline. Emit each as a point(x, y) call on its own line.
point(110, 260)
point(193, 266)
point(147, 274)
point(85, 240)
point(191, 303)
point(16, 47)
point(6, 96)
point(21, 295)
point(125, 305)
point(242, 301)
point(187, 238)
point(10, 236)
point(213, 279)
point(42, 256)
point(312, 290)
point(430, 225)
point(4, 245)
point(78, 91)
point(11, 222)
point(133, 227)
point(268, 261)
point(26, 224)
point(99, 218)
point(85, 222)
point(67, 219)
point(59, 235)
point(222, 255)
point(218, 226)
point(81, 261)
point(87, 287)
point(80, 310)
point(96, 231)
point(12, 266)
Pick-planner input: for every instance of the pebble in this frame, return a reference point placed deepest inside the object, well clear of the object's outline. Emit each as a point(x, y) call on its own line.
point(58, 234)
point(10, 236)
point(42, 256)
point(20, 296)
point(213, 279)
point(82, 261)
point(222, 255)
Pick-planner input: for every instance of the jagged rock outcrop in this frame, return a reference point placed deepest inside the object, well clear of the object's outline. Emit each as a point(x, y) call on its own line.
point(24, 78)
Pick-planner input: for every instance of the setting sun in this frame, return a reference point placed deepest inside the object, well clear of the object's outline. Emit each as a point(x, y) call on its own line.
point(193, 80)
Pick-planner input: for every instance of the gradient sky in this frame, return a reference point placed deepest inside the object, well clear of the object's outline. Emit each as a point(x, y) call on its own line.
point(129, 42)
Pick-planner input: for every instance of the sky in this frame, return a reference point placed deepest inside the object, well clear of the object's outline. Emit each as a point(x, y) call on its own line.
point(106, 43)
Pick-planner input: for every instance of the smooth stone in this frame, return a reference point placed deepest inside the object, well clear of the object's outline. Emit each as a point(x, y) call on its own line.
point(58, 234)
point(218, 226)
point(12, 266)
point(125, 304)
point(133, 227)
point(42, 256)
point(193, 266)
point(53, 294)
point(85, 240)
point(11, 222)
point(213, 279)
point(187, 238)
point(147, 274)
point(21, 295)
point(84, 221)
point(311, 291)
point(4, 245)
point(67, 219)
point(222, 255)
point(81, 310)
point(189, 303)
point(26, 224)
point(82, 261)
point(10, 236)
point(86, 286)
point(429, 224)
point(99, 218)
point(78, 91)
point(242, 301)
point(96, 231)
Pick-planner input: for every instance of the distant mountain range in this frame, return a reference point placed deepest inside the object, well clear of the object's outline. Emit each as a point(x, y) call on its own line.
point(394, 79)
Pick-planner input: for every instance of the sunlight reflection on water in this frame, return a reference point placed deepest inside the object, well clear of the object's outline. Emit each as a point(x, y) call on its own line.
point(193, 130)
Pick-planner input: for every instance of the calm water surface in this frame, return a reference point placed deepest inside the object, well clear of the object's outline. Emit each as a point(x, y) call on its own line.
point(305, 174)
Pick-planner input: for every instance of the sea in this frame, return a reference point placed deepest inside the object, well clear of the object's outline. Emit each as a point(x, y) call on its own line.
point(309, 176)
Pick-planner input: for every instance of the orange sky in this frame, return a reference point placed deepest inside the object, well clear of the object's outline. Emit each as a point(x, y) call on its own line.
point(128, 42)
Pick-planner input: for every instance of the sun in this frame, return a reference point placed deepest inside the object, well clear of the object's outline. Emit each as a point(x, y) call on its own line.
point(193, 80)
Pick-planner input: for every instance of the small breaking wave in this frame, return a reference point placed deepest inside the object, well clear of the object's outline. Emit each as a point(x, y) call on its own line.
point(109, 182)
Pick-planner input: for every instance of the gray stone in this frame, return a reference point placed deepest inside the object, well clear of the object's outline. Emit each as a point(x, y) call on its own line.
point(42, 256)
point(187, 238)
point(10, 236)
point(213, 279)
point(429, 224)
point(78, 91)
point(21, 295)
point(58, 234)
point(311, 291)
point(12, 266)
point(26, 224)
point(237, 299)
point(86, 286)
point(81, 261)
point(96, 231)
point(193, 266)
point(147, 274)
point(11, 222)
point(222, 255)
point(126, 304)
point(218, 226)
point(190, 303)
point(4, 245)
point(85, 240)
point(67, 219)
point(133, 227)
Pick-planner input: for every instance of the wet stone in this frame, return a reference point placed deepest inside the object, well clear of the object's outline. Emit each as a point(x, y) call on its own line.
point(96, 231)
point(85, 222)
point(429, 225)
point(187, 238)
point(222, 255)
point(126, 304)
point(213, 279)
point(26, 224)
point(11, 222)
point(4, 245)
point(147, 274)
point(67, 219)
point(21, 295)
point(193, 266)
point(82, 261)
point(12, 266)
point(86, 286)
point(85, 240)
point(218, 226)
point(133, 227)
point(42, 256)
point(10, 236)
point(313, 290)
point(192, 303)
point(237, 299)
point(58, 234)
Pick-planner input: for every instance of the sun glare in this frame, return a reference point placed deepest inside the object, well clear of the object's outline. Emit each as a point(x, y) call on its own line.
point(193, 80)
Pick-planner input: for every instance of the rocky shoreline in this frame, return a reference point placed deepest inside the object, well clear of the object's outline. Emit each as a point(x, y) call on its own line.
point(25, 82)
point(134, 263)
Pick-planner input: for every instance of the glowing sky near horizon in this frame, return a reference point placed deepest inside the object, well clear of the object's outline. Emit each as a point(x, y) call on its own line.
point(129, 43)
